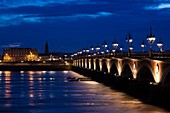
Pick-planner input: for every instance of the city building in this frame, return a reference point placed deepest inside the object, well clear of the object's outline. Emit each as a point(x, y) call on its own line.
point(20, 54)
point(49, 56)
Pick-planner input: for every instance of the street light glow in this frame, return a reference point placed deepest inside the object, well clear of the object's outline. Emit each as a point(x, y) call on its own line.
point(151, 39)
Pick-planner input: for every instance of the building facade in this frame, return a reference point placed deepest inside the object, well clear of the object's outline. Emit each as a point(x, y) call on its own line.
point(20, 54)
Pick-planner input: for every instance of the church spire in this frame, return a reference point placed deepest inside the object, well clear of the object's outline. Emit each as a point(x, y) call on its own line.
point(46, 48)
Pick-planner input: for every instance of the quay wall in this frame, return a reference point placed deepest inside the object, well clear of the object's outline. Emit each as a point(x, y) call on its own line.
point(51, 66)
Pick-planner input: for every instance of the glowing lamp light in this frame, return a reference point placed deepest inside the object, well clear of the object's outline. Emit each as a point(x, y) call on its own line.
point(134, 70)
point(115, 44)
point(131, 48)
point(87, 50)
point(84, 50)
point(134, 66)
point(102, 52)
point(92, 48)
point(160, 45)
point(157, 69)
point(121, 48)
point(97, 48)
point(151, 40)
point(113, 50)
point(157, 77)
point(105, 44)
point(129, 38)
point(143, 44)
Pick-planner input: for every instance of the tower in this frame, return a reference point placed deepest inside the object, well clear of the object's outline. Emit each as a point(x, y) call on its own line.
point(46, 48)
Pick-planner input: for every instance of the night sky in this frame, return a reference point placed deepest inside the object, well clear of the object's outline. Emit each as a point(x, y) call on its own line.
point(70, 25)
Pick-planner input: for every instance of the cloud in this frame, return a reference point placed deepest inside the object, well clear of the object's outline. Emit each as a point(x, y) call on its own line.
point(11, 45)
point(41, 3)
point(158, 7)
point(96, 15)
point(17, 19)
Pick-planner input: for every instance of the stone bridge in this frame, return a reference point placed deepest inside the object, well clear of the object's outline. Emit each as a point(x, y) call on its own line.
point(155, 71)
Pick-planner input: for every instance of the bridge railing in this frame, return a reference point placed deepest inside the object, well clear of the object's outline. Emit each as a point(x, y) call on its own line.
point(155, 55)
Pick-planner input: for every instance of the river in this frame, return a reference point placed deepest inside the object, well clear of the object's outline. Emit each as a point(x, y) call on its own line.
point(51, 92)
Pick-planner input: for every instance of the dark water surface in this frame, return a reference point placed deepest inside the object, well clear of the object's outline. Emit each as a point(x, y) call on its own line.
point(50, 92)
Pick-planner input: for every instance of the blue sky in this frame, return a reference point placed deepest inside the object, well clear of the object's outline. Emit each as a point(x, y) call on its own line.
point(70, 25)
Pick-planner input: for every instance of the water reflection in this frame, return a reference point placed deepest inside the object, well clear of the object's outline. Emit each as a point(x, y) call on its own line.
point(46, 92)
point(7, 84)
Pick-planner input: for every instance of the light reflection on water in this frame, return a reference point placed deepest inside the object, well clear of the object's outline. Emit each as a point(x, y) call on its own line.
point(49, 92)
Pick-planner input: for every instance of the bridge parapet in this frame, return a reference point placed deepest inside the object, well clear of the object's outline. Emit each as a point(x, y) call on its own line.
point(156, 55)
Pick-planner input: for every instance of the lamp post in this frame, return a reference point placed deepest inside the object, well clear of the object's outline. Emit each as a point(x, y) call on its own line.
point(87, 52)
point(115, 45)
point(104, 44)
point(131, 48)
point(97, 49)
point(151, 39)
point(160, 45)
point(143, 45)
point(91, 49)
point(121, 49)
point(129, 40)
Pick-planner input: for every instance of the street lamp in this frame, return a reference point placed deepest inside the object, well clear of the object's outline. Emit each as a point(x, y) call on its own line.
point(121, 49)
point(97, 49)
point(91, 49)
point(131, 48)
point(151, 39)
point(87, 51)
point(143, 45)
point(115, 45)
point(104, 44)
point(160, 45)
point(129, 40)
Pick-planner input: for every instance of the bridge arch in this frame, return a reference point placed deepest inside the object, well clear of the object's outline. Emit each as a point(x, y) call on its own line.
point(97, 65)
point(81, 62)
point(145, 73)
point(127, 71)
point(87, 65)
point(165, 81)
point(92, 63)
point(113, 69)
point(104, 66)
point(84, 63)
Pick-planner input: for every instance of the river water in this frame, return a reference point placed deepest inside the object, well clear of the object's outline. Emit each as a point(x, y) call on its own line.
point(50, 92)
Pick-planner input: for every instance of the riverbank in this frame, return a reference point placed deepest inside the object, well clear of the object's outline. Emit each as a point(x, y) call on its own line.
point(34, 66)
